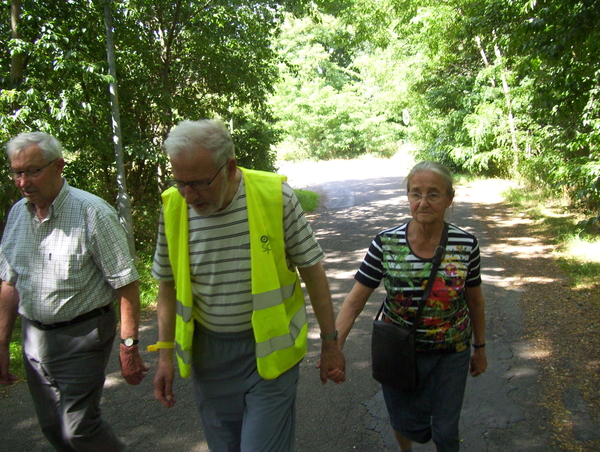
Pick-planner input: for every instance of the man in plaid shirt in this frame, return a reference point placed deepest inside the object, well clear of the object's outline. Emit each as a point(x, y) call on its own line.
point(64, 260)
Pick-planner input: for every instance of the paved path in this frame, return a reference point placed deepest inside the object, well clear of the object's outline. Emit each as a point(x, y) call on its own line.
point(501, 410)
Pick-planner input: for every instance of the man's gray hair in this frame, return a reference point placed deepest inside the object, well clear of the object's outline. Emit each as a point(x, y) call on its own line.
point(204, 135)
point(50, 146)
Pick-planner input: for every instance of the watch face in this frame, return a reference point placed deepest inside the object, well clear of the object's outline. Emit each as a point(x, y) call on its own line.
point(128, 342)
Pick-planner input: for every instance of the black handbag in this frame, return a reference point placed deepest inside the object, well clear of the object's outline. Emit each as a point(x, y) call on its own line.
point(393, 354)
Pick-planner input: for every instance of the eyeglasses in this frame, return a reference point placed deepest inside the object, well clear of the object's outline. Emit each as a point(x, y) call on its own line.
point(196, 185)
point(432, 198)
point(33, 173)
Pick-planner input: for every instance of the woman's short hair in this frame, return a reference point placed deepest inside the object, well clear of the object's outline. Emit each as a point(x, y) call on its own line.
point(207, 134)
point(50, 146)
point(435, 167)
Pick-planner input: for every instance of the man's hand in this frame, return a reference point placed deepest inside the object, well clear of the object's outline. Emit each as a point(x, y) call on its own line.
point(133, 368)
point(6, 378)
point(332, 363)
point(163, 383)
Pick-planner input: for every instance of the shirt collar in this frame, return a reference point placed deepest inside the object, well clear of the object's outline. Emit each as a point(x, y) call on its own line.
point(56, 204)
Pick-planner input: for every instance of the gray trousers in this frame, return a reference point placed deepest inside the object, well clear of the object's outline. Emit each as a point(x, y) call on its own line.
point(433, 410)
point(65, 370)
point(241, 411)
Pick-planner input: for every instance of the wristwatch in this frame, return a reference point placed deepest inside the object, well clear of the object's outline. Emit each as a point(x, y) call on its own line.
point(129, 342)
point(330, 337)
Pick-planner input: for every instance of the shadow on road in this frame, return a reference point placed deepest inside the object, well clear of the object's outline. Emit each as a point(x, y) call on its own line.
point(502, 409)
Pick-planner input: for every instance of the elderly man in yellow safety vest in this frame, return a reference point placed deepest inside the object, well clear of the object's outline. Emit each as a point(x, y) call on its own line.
point(230, 302)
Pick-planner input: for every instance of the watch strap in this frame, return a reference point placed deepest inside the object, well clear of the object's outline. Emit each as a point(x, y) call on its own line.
point(330, 337)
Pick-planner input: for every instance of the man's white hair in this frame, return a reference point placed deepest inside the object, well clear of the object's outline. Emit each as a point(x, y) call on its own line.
point(204, 135)
point(50, 146)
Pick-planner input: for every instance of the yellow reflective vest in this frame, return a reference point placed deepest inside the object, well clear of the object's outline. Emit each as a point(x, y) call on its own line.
point(279, 319)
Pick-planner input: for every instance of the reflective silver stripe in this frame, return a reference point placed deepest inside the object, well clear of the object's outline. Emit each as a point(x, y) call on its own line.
point(287, 340)
point(185, 356)
point(273, 297)
point(185, 312)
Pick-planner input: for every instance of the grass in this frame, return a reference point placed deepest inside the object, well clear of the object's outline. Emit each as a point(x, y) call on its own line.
point(577, 247)
point(309, 200)
point(16, 362)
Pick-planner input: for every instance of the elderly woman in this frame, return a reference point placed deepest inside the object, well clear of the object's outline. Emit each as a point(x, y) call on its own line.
point(453, 317)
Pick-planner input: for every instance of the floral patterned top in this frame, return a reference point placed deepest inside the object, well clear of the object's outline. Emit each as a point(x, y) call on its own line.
point(445, 324)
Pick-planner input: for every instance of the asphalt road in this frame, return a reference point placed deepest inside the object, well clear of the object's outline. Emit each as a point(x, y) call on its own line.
point(362, 197)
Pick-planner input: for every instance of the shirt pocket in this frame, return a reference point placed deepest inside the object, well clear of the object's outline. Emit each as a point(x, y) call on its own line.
point(65, 268)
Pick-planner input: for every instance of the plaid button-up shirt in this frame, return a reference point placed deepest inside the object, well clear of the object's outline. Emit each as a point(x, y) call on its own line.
point(69, 263)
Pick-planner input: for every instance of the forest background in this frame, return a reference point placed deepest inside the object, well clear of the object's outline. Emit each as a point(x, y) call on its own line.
point(499, 88)
point(492, 88)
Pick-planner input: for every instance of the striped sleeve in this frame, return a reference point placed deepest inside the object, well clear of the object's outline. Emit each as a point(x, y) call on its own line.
point(300, 242)
point(161, 266)
point(370, 272)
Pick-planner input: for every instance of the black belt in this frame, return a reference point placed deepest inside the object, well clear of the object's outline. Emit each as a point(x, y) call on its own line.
point(80, 318)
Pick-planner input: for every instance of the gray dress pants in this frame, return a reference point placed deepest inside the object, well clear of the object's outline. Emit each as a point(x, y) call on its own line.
point(65, 370)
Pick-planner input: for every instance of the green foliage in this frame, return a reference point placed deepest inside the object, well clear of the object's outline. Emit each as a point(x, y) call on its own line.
point(325, 104)
point(16, 358)
point(63, 89)
point(583, 273)
point(251, 139)
point(175, 60)
point(148, 285)
point(498, 87)
point(8, 194)
point(309, 200)
point(493, 87)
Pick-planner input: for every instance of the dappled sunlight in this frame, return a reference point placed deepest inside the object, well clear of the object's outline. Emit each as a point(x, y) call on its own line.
point(145, 327)
point(539, 280)
point(500, 221)
point(342, 274)
point(359, 365)
point(389, 202)
point(524, 248)
point(537, 350)
point(113, 380)
point(499, 280)
point(488, 191)
point(584, 251)
point(26, 424)
point(523, 371)
point(334, 258)
point(314, 333)
point(514, 282)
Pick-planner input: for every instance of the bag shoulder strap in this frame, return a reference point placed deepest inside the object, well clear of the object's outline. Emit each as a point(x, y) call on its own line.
point(435, 265)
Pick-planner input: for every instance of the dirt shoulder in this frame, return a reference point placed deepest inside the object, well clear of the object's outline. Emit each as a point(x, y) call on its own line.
point(562, 323)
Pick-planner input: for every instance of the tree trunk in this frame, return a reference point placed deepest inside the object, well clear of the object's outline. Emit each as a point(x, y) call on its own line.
point(17, 58)
point(123, 200)
point(506, 89)
point(484, 57)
